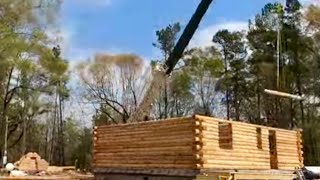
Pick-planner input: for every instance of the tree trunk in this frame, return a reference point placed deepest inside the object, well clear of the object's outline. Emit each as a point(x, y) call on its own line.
point(227, 88)
point(61, 143)
point(165, 98)
point(258, 102)
point(53, 133)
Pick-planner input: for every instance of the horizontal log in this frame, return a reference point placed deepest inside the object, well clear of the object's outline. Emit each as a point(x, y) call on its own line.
point(214, 128)
point(234, 166)
point(287, 148)
point(243, 149)
point(261, 159)
point(235, 145)
point(145, 145)
point(143, 162)
point(248, 125)
point(288, 165)
point(149, 149)
point(190, 139)
point(236, 135)
point(152, 153)
point(288, 160)
point(146, 133)
point(104, 156)
point(147, 123)
point(145, 138)
point(244, 153)
point(141, 127)
point(231, 152)
point(292, 138)
point(288, 154)
point(283, 164)
point(263, 176)
point(237, 162)
point(177, 166)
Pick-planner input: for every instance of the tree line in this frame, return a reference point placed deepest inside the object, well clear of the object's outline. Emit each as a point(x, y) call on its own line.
point(33, 87)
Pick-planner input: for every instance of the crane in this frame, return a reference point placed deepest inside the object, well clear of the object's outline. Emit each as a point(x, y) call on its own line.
point(162, 71)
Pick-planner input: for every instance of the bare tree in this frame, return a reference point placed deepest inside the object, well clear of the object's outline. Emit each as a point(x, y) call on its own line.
point(114, 83)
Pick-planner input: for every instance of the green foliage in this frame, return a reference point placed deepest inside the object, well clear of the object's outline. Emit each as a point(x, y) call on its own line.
point(27, 71)
point(82, 153)
point(166, 38)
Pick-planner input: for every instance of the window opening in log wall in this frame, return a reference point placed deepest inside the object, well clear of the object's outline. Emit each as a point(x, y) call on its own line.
point(259, 138)
point(225, 135)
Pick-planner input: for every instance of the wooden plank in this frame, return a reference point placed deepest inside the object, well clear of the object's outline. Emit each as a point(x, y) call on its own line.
point(233, 166)
point(261, 176)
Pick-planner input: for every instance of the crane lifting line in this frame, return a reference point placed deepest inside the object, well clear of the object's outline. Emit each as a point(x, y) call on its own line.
point(278, 93)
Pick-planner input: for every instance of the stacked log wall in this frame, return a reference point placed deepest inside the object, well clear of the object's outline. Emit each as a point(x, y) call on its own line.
point(248, 146)
point(170, 143)
point(289, 149)
point(198, 143)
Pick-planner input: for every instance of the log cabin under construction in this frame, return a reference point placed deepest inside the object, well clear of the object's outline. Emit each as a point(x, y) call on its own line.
point(193, 148)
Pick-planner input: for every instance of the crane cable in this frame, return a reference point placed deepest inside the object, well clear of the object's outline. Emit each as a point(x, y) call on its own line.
point(279, 10)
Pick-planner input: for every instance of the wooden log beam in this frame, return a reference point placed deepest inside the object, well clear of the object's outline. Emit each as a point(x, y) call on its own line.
point(282, 94)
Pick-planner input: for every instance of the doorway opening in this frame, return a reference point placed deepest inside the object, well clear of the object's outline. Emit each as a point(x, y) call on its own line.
point(273, 149)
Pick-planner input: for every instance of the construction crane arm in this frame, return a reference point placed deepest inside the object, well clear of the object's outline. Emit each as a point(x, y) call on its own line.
point(163, 70)
point(187, 35)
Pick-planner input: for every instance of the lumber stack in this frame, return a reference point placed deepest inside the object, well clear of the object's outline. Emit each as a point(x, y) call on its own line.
point(196, 143)
point(156, 144)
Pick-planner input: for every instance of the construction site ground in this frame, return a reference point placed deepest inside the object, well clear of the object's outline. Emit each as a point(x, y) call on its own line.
point(63, 175)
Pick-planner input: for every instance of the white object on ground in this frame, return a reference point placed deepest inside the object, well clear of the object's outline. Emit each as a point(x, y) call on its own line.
point(9, 167)
point(314, 169)
point(18, 173)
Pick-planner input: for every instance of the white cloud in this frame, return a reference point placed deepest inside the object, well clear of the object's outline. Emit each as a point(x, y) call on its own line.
point(204, 36)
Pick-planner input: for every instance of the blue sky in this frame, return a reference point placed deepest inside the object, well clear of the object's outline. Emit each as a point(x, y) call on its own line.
point(123, 26)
